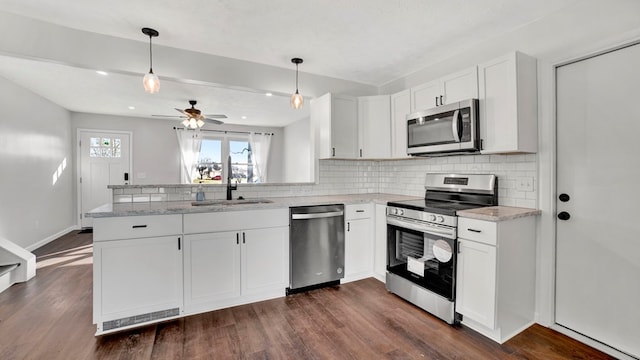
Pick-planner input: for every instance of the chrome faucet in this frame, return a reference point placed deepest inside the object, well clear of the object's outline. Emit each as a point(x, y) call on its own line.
point(230, 187)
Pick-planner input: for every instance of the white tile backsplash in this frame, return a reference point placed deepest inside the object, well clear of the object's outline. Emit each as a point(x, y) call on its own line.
point(402, 176)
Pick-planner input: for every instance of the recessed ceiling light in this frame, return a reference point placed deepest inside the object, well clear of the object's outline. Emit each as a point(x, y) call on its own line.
point(103, 73)
point(268, 94)
point(243, 117)
point(132, 107)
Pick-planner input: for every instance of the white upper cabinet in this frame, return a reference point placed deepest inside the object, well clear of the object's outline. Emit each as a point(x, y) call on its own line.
point(400, 108)
point(374, 123)
point(425, 96)
point(508, 104)
point(446, 90)
point(334, 126)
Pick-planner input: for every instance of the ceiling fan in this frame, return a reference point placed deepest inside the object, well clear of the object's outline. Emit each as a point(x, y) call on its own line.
point(193, 117)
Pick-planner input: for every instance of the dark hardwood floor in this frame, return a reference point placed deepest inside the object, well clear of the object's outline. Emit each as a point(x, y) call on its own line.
point(50, 317)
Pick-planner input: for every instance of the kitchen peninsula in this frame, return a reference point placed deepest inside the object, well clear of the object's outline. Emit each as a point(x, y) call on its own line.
point(203, 258)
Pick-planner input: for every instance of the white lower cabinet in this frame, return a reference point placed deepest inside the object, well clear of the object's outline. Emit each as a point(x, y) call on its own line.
point(495, 283)
point(476, 282)
point(137, 275)
point(358, 242)
point(211, 269)
point(226, 268)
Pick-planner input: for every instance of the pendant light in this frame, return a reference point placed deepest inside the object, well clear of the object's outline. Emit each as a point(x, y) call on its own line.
point(296, 99)
point(151, 82)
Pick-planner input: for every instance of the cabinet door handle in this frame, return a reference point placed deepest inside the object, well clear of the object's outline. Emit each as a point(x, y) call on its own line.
point(348, 226)
point(441, 103)
point(436, 101)
point(139, 226)
point(244, 241)
point(474, 230)
point(237, 238)
point(179, 244)
point(333, 151)
point(459, 247)
point(360, 152)
point(359, 210)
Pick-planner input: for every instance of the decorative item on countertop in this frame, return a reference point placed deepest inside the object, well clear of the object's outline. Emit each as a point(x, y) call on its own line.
point(296, 99)
point(200, 193)
point(151, 82)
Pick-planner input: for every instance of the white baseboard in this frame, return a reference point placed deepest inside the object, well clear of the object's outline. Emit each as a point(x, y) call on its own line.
point(49, 239)
point(593, 343)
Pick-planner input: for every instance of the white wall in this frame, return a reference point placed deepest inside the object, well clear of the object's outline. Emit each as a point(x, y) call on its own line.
point(35, 141)
point(297, 156)
point(155, 148)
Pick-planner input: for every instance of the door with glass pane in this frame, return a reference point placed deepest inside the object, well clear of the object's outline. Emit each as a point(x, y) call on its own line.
point(104, 160)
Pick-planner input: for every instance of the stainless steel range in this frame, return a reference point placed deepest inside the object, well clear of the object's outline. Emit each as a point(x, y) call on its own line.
point(421, 239)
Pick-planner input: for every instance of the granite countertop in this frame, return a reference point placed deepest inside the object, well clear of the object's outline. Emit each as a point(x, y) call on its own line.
point(498, 213)
point(185, 207)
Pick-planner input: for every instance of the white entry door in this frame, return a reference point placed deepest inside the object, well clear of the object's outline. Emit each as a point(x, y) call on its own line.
point(598, 189)
point(104, 160)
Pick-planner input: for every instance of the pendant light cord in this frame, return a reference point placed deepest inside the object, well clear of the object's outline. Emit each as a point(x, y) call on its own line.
point(296, 78)
point(150, 56)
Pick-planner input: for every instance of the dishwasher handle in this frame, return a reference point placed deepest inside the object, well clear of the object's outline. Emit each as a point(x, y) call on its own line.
point(316, 215)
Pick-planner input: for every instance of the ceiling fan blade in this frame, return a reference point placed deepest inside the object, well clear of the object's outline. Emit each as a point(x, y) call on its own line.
point(216, 116)
point(183, 112)
point(214, 121)
point(170, 116)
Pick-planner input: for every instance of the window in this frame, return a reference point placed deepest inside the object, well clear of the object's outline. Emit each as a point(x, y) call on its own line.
point(214, 153)
point(105, 147)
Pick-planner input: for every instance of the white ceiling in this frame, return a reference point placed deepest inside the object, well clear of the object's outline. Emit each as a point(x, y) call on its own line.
point(366, 41)
point(83, 90)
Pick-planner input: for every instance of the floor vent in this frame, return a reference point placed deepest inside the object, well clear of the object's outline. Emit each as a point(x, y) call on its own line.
point(137, 319)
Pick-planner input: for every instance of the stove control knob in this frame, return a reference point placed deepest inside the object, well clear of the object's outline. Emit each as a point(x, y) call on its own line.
point(440, 219)
point(432, 218)
point(395, 211)
point(401, 212)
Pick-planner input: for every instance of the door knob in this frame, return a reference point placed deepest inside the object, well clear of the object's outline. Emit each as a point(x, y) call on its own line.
point(564, 215)
point(564, 197)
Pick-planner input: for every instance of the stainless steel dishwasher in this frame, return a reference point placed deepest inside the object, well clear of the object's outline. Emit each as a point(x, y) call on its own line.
point(316, 247)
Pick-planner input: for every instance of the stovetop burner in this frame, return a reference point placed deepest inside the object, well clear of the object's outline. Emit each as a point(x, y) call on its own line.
point(432, 206)
point(448, 193)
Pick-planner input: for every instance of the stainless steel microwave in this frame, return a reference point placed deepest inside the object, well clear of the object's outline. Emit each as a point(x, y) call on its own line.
point(448, 128)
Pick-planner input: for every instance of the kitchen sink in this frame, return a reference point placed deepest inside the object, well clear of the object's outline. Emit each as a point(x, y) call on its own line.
point(231, 202)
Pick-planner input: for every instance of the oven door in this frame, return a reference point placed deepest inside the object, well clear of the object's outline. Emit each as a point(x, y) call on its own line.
point(425, 258)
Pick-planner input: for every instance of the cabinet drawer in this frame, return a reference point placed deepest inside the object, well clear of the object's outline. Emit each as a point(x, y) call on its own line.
point(477, 230)
point(360, 211)
point(131, 227)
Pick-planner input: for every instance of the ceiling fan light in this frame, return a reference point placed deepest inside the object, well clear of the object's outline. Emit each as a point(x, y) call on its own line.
point(192, 123)
point(185, 122)
point(297, 100)
point(200, 123)
point(151, 82)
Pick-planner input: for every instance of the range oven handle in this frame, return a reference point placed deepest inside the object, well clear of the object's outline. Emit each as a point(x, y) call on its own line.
point(420, 226)
point(455, 125)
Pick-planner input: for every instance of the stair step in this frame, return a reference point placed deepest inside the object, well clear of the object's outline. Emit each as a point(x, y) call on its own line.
point(7, 268)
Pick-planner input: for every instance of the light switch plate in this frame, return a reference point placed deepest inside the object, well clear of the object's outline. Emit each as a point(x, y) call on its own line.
point(524, 183)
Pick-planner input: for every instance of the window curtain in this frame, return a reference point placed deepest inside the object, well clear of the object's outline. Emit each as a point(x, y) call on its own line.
point(260, 144)
point(189, 143)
